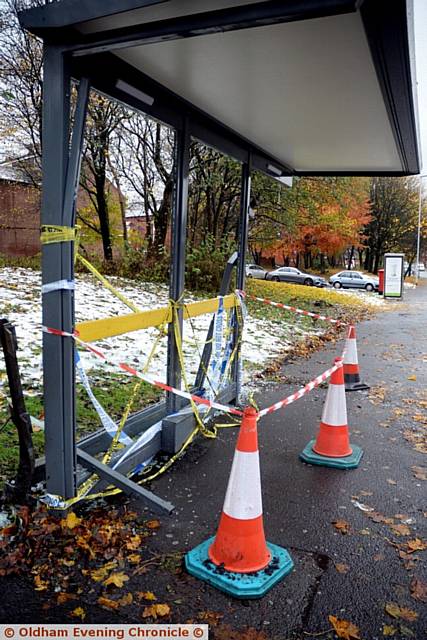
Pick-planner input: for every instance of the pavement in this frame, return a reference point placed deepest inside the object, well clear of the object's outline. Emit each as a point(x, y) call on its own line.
point(301, 501)
point(352, 576)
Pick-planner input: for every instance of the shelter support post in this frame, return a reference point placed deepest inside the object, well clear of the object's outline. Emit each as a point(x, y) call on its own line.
point(61, 175)
point(179, 234)
point(245, 199)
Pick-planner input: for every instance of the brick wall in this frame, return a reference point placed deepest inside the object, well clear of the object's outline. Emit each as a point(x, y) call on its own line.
point(19, 219)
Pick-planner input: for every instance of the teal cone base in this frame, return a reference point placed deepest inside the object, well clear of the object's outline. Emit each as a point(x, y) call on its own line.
point(348, 462)
point(239, 585)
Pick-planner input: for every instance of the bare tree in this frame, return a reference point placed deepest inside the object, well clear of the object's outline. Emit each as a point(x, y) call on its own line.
point(144, 154)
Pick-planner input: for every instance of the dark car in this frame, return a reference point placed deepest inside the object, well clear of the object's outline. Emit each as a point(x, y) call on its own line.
point(291, 274)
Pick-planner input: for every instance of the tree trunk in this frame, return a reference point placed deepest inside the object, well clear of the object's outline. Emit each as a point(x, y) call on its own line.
point(350, 260)
point(104, 219)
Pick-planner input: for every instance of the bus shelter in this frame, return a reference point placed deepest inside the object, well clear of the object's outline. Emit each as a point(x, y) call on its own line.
point(286, 87)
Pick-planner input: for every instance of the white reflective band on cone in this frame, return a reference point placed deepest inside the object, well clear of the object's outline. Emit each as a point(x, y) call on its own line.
point(335, 410)
point(243, 499)
point(350, 356)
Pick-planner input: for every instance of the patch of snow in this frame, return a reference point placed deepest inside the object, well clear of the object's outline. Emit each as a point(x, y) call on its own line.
point(20, 299)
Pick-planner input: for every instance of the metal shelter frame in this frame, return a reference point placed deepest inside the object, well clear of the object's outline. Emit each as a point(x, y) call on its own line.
point(87, 59)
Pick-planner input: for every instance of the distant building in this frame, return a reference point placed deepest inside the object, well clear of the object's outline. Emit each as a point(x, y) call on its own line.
point(19, 212)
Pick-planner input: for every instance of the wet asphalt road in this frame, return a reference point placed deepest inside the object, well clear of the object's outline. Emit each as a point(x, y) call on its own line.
point(301, 501)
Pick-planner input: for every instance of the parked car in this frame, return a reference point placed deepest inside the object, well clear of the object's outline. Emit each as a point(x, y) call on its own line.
point(290, 274)
point(255, 271)
point(354, 280)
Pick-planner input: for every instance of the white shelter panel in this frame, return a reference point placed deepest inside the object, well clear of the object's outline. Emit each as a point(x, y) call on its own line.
point(305, 91)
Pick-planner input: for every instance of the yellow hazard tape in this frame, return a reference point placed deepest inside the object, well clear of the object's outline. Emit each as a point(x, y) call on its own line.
point(107, 284)
point(52, 233)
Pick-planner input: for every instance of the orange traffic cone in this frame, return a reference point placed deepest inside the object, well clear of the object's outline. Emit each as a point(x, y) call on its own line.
point(238, 560)
point(351, 364)
point(240, 541)
point(332, 447)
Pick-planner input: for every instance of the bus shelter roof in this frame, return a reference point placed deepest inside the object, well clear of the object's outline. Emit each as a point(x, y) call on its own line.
point(309, 87)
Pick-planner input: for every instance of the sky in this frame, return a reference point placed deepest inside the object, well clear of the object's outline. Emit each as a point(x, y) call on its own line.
point(420, 12)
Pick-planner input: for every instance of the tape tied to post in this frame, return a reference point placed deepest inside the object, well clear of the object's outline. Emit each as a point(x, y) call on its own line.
point(53, 233)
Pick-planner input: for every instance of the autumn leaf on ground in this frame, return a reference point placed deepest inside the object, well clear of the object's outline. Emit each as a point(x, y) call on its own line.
point(210, 617)
point(134, 543)
point(342, 526)
point(79, 612)
point(388, 630)
point(118, 579)
point(134, 558)
point(416, 545)
point(413, 377)
point(390, 481)
point(400, 529)
point(152, 524)
point(106, 602)
point(125, 600)
point(65, 597)
point(146, 595)
point(344, 629)
point(420, 473)
point(101, 572)
point(419, 590)
point(39, 584)
point(71, 521)
point(156, 610)
point(342, 568)
point(395, 611)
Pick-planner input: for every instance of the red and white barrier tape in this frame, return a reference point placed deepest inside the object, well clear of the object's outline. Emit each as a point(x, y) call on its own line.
point(302, 392)
point(156, 383)
point(184, 394)
point(302, 312)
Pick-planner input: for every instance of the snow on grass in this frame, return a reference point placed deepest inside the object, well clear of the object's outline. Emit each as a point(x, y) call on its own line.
point(20, 302)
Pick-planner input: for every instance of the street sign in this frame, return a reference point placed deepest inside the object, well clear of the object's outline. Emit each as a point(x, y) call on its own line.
point(393, 275)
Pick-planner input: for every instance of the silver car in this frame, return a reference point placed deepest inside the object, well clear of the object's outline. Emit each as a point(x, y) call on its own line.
point(255, 271)
point(354, 280)
point(290, 274)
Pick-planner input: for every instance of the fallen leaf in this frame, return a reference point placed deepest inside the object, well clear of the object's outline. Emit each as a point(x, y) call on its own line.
point(39, 584)
point(134, 558)
point(106, 602)
point(418, 590)
point(395, 611)
point(378, 557)
point(210, 617)
point(79, 612)
point(413, 377)
point(342, 526)
point(390, 481)
point(100, 573)
point(146, 595)
point(134, 543)
point(65, 597)
point(364, 532)
point(152, 524)
point(156, 610)
point(416, 545)
point(342, 568)
point(344, 628)
point(71, 521)
point(408, 614)
point(400, 529)
point(388, 630)
point(420, 472)
point(118, 579)
point(125, 600)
